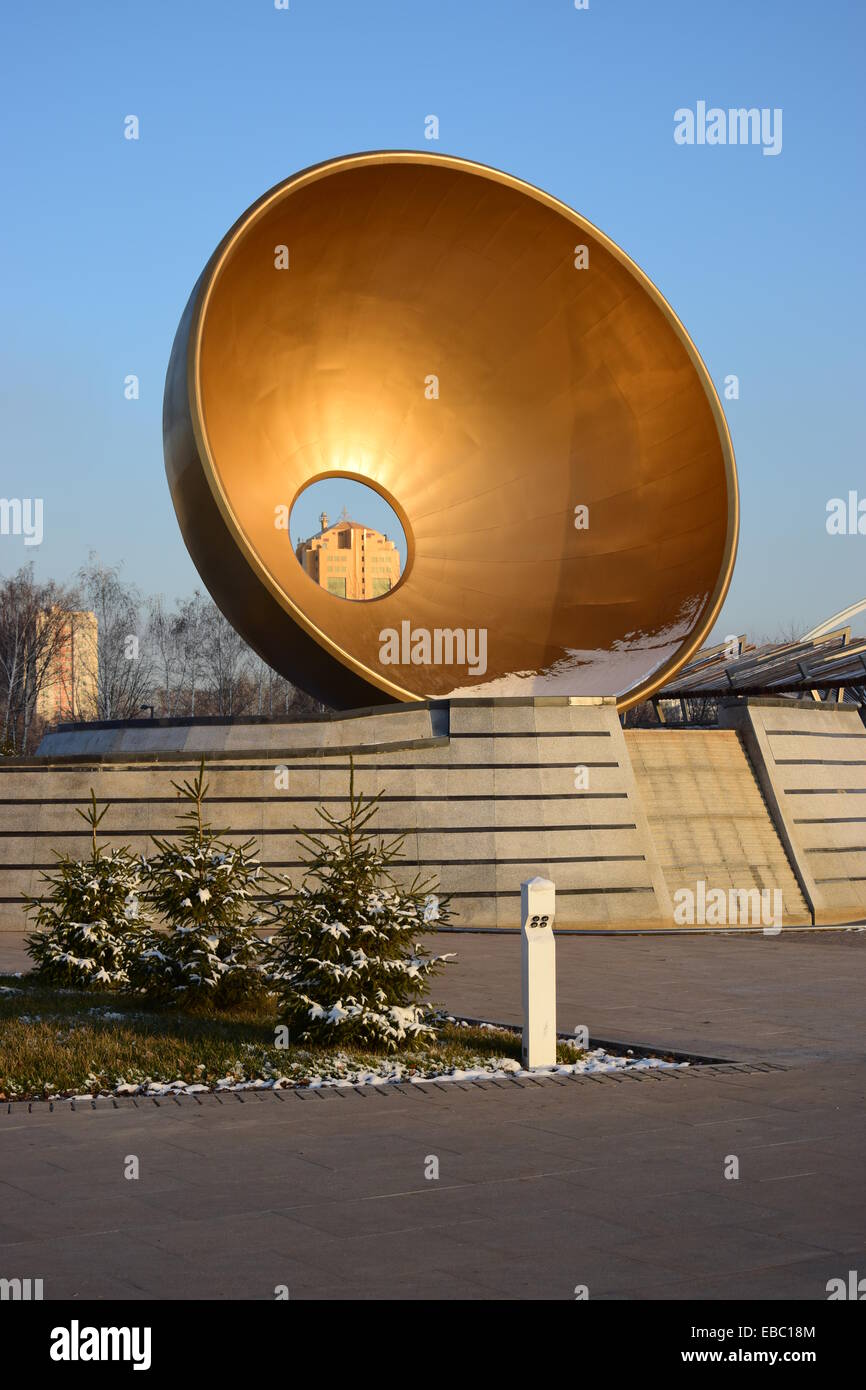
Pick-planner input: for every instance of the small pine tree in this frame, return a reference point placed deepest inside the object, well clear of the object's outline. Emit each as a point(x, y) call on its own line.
point(345, 962)
point(90, 922)
point(201, 887)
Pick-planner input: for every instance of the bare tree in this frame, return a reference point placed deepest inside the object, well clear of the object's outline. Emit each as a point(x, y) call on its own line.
point(34, 627)
point(120, 676)
point(273, 695)
point(163, 652)
point(177, 641)
point(192, 620)
point(262, 677)
point(296, 701)
point(226, 663)
point(785, 634)
point(184, 660)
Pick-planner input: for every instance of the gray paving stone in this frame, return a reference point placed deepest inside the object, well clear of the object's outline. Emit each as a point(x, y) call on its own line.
point(720, 1249)
point(749, 996)
point(615, 1183)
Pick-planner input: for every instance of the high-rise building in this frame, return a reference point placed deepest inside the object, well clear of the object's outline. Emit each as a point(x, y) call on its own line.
point(350, 560)
point(68, 688)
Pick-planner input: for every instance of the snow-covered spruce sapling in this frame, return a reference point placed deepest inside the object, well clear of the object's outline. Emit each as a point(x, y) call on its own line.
point(90, 922)
point(203, 888)
point(345, 960)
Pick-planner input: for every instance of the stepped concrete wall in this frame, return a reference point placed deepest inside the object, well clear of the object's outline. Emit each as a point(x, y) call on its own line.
point(484, 791)
point(811, 762)
point(708, 818)
point(488, 793)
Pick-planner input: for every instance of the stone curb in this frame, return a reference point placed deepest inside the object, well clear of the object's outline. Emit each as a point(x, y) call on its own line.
point(369, 1090)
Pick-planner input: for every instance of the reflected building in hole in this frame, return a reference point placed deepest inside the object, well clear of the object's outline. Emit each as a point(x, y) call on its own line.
point(350, 560)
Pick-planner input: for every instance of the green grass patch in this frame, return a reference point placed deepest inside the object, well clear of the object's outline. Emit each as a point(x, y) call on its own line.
point(56, 1043)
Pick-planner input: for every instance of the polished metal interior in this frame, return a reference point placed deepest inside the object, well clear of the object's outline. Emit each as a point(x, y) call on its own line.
point(430, 326)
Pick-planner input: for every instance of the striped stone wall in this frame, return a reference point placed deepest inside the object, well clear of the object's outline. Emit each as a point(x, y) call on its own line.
point(488, 793)
point(708, 818)
point(484, 791)
point(811, 761)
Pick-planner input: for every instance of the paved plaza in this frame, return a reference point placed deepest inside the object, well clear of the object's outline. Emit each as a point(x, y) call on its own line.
point(616, 1184)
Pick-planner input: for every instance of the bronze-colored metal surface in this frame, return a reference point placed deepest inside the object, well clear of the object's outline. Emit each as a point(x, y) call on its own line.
point(559, 388)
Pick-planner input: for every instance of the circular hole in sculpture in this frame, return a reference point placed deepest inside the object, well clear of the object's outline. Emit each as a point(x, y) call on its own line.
point(348, 539)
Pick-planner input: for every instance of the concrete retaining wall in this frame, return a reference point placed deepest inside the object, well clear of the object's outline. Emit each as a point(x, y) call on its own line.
point(486, 794)
point(811, 762)
point(708, 818)
point(483, 790)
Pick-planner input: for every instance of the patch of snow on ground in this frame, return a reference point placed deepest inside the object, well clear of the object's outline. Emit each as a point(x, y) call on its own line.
point(393, 1073)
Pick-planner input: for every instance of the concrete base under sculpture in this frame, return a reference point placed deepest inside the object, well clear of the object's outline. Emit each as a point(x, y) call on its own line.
point(489, 793)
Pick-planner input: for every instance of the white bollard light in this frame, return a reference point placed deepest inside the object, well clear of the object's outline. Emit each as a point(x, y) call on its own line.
point(537, 911)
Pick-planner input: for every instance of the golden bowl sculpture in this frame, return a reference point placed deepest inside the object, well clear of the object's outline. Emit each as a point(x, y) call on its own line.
point(509, 380)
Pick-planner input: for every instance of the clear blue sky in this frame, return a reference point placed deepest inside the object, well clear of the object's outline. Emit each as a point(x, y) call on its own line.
point(103, 237)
